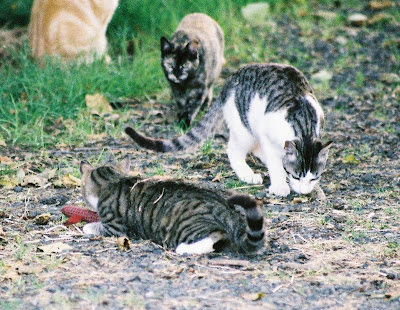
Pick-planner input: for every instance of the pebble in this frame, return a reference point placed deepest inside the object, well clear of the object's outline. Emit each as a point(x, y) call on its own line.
point(357, 19)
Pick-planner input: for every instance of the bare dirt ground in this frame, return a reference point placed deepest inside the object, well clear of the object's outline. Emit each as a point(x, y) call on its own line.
point(343, 253)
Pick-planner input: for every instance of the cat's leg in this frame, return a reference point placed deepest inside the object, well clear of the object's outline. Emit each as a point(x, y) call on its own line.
point(272, 158)
point(238, 147)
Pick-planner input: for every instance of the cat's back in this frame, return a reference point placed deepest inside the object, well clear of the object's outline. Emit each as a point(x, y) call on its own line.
point(69, 27)
point(199, 22)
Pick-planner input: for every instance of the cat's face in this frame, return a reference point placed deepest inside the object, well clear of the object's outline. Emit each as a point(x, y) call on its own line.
point(95, 180)
point(179, 61)
point(304, 164)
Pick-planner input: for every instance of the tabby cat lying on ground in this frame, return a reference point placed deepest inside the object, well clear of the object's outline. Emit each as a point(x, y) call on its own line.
point(176, 215)
point(192, 61)
point(70, 28)
point(271, 111)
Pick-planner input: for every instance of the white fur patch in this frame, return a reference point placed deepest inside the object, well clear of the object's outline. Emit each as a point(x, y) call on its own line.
point(92, 228)
point(93, 201)
point(200, 247)
point(305, 185)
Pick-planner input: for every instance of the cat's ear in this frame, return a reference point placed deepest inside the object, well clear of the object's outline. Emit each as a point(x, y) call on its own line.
point(290, 150)
point(85, 166)
point(124, 165)
point(192, 48)
point(323, 153)
point(165, 45)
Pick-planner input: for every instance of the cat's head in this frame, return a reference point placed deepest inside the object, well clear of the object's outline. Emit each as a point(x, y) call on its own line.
point(179, 61)
point(304, 162)
point(96, 180)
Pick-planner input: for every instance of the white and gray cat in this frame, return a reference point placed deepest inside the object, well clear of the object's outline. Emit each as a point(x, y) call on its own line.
point(192, 60)
point(272, 112)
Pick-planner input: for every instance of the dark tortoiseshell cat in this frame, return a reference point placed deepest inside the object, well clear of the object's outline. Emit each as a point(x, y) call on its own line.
point(272, 112)
point(192, 61)
point(174, 214)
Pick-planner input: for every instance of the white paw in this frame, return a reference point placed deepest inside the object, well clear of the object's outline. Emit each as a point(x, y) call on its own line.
point(279, 189)
point(252, 178)
point(92, 228)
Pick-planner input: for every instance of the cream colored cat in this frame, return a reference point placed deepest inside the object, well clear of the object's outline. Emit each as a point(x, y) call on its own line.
point(70, 28)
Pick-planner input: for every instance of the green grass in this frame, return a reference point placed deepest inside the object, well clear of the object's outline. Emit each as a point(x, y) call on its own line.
point(42, 108)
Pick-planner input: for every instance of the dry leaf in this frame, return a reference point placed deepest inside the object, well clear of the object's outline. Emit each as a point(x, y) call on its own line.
point(57, 247)
point(300, 200)
point(350, 159)
point(34, 179)
point(8, 182)
point(2, 143)
point(98, 104)
point(70, 180)
point(5, 160)
point(123, 243)
point(379, 5)
point(42, 219)
point(218, 177)
point(253, 296)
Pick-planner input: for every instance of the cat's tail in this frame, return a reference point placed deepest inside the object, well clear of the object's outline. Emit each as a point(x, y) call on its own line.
point(195, 136)
point(254, 240)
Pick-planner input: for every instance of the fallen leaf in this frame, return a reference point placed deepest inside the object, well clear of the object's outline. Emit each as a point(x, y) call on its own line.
point(42, 219)
point(56, 247)
point(350, 159)
point(34, 179)
point(379, 5)
point(5, 160)
point(98, 104)
point(48, 174)
point(300, 200)
point(218, 177)
point(70, 180)
point(8, 182)
point(253, 296)
point(123, 243)
point(2, 142)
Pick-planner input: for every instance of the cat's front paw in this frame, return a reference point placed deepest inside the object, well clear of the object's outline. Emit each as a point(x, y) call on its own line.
point(252, 178)
point(279, 189)
point(92, 228)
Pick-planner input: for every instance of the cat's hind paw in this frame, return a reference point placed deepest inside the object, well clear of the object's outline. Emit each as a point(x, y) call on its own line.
point(279, 189)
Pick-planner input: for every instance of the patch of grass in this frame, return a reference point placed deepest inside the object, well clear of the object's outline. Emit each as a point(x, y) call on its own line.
point(157, 170)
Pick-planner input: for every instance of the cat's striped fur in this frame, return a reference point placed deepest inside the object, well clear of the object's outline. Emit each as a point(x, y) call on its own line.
point(192, 60)
point(177, 215)
point(271, 111)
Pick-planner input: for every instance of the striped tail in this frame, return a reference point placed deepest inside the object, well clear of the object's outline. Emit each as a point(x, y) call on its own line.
point(195, 136)
point(254, 239)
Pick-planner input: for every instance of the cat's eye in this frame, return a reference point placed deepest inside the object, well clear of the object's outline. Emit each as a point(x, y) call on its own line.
point(296, 178)
point(315, 179)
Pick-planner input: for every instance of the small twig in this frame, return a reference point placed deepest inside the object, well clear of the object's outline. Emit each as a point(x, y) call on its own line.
point(249, 186)
point(159, 198)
